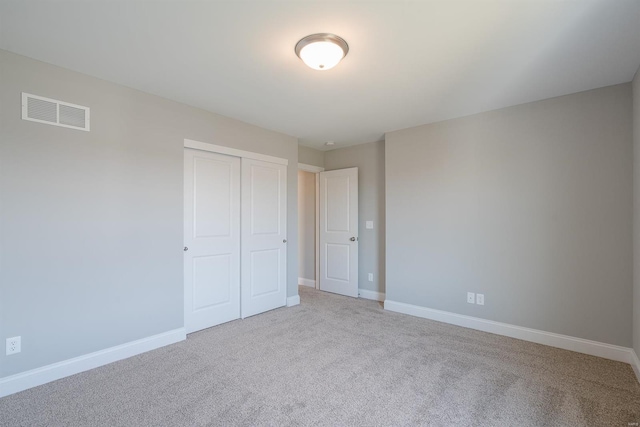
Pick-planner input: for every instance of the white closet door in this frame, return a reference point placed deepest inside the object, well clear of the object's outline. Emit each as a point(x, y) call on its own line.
point(339, 231)
point(211, 238)
point(264, 234)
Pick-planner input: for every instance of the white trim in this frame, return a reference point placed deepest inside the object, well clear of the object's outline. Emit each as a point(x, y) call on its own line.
point(310, 168)
point(306, 282)
point(373, 295)
point(196, 145)
point(55, 371)
point(294, 300)
point(635, 364)
point(593, 348)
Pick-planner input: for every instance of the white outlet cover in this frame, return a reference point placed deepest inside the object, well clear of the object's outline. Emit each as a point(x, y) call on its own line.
point(369, 225)
point(371, 277)
point(471, 298)
point(13, 345)
point(480, 299)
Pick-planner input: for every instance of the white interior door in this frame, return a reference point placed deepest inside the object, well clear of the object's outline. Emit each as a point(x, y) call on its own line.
point(339, 231)
point(211, 238)
point(264, 234)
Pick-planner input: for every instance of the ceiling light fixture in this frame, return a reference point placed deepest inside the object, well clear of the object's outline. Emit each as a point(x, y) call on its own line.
point(322, 51)
point(329, 143)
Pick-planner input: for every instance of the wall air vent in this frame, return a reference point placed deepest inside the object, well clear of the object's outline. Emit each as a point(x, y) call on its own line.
point(53, 112)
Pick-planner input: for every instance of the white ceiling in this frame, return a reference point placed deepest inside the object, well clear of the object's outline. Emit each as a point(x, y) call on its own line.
point(409, 63)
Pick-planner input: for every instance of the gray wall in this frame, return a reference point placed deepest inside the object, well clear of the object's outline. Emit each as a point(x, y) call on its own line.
point(369, 158)
point(310, 156)
point(307, 225)
point(530, 205)
point(636, 213)
point(91, 222)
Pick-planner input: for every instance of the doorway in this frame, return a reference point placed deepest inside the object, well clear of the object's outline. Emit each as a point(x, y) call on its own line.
point(308, 225)
point(328, 229)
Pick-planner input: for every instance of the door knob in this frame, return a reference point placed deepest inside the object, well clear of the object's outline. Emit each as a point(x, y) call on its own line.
point(353, 239)
point(186, 249)
point(284, 241)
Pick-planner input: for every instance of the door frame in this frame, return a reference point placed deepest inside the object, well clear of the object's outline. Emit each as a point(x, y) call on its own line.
point(221, 149)
point(316, 171)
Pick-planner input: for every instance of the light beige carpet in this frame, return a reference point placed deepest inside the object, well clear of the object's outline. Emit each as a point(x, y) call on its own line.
point(339, 361)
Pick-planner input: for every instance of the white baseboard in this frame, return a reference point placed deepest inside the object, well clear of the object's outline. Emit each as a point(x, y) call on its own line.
point(294, 300)
point(635, 364)
point(56, 371)
point(367, 294)
point(593, 348)
point(306, 282)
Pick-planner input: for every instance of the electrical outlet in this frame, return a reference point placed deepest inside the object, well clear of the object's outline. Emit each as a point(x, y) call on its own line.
point(13, 345)
point(471, 298)
point(480, 299)
point(371, 277)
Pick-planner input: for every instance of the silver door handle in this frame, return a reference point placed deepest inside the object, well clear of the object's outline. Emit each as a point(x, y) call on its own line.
point(186, 249)
point(353, 239)
point(284, 241)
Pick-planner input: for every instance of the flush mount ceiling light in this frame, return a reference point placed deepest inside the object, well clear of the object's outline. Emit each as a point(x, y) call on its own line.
point(322, 51)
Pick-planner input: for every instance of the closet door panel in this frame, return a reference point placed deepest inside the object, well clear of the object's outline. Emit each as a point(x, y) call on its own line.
point(211, 239)
point(264, 247)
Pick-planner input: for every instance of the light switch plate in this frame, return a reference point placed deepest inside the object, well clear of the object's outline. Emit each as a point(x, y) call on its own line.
point(480, 299)
point(369, 225)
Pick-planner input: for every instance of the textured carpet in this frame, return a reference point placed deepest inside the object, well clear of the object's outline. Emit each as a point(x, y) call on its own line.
point(339, 361)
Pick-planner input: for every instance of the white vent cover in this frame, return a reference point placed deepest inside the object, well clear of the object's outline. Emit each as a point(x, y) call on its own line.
point(53, 112)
